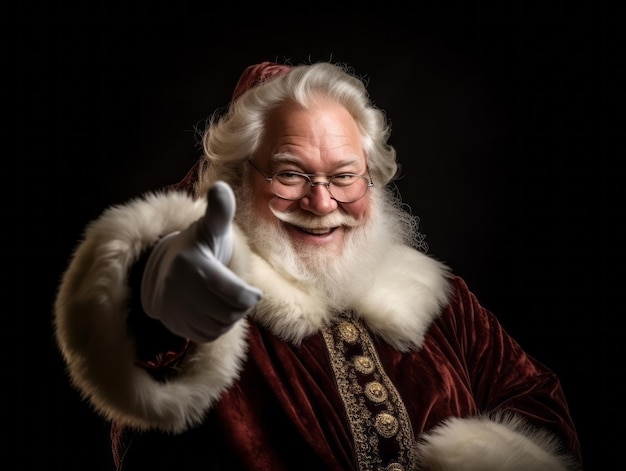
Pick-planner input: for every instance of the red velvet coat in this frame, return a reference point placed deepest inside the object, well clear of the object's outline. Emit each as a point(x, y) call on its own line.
point(285, 413)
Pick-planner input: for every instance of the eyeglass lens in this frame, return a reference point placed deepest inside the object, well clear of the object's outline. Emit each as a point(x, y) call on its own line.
point(344, 188)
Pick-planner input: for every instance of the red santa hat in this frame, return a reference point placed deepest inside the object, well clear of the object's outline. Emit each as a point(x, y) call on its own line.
point(257, 73)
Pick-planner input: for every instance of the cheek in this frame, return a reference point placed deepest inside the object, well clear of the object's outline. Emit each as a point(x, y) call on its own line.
point(359, 210)
point(262, 196)
point(261, 204)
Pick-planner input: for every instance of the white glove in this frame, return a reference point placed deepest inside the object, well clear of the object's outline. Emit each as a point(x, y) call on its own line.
point(186, 283)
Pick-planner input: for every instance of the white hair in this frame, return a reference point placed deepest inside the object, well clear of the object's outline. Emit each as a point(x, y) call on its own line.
point(230, 139)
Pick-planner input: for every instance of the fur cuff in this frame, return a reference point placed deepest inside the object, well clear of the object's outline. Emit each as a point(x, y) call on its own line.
point(90, 323)
point(503, 442)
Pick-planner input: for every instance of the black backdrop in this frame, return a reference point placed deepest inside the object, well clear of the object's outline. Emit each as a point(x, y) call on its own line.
point(507, 120)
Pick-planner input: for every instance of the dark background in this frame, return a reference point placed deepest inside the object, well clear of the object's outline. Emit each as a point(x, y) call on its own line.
point(507, 118)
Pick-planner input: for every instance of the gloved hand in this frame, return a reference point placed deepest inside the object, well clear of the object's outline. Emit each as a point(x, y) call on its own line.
point(186, 283)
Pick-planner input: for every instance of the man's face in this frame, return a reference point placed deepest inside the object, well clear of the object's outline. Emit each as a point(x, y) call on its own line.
point(323, 140)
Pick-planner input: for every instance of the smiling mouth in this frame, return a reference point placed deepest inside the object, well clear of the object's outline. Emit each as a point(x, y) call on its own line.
point(316, 230)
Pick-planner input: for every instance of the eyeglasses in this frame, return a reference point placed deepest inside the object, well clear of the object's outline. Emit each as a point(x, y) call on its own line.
point(343, 187)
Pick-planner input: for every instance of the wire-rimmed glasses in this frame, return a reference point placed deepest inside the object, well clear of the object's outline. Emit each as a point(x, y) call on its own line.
point(343, 187)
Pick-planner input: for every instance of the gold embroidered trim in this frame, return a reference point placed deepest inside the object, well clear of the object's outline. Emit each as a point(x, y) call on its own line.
point(380, 425)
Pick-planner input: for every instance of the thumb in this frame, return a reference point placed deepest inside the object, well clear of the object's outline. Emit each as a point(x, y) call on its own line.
point(220, 210)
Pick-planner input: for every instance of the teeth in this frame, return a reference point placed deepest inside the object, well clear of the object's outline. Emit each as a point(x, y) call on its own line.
point(320, 230)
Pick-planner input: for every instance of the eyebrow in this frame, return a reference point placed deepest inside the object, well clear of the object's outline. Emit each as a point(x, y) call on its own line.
point(287, 158)
point(284, 158)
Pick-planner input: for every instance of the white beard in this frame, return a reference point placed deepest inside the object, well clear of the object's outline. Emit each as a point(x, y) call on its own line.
point(340, 275)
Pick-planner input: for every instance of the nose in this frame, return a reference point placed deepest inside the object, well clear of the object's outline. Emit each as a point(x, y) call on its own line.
point(318, 200)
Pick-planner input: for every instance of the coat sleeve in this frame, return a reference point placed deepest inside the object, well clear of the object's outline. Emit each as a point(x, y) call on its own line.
point(110, 352)
point(522, 420)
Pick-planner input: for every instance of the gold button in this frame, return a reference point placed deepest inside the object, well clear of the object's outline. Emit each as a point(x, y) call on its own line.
point(386, 425)
point(376, 392)
point(348, 332)
point(363, 364)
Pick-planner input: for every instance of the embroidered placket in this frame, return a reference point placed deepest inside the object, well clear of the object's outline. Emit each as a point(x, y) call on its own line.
point(380, 425)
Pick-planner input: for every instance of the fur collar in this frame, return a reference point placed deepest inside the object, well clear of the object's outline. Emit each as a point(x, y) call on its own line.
point(405, 295)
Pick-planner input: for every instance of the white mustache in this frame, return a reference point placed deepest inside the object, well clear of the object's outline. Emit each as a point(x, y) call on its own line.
point(306, 220)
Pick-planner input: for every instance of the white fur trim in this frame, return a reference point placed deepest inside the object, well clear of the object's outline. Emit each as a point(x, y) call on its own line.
point(405, 295)
point(503, 442)
point(90, 323)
